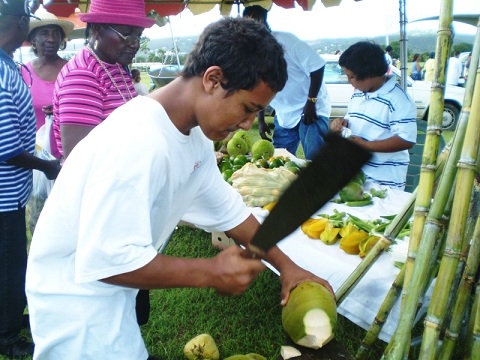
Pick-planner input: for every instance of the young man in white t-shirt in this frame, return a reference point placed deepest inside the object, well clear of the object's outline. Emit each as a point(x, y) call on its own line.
point(125, 187)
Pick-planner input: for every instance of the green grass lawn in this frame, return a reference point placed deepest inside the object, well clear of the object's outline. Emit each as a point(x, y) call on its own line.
point(241, 324)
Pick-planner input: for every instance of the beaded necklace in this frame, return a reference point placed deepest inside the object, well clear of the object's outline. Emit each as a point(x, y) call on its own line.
point(102, 64)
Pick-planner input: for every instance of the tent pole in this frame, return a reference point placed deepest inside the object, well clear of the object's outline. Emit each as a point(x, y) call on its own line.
point(403, 43)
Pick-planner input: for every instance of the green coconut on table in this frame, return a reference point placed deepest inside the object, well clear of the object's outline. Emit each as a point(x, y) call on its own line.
point(242, 134)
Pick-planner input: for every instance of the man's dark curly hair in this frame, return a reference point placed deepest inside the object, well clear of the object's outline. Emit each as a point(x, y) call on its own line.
point(365, 59)
point(246, 52)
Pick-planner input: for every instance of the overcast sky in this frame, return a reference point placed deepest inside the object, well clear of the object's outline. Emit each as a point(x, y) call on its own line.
point(366, 18)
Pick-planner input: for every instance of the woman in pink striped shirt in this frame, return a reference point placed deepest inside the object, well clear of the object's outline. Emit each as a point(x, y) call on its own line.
point(97, 81)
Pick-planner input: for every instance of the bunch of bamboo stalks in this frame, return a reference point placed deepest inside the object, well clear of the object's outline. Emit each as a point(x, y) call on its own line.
point(444, 246)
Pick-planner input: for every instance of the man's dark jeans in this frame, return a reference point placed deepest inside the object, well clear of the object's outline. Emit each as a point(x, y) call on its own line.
point(13, 265)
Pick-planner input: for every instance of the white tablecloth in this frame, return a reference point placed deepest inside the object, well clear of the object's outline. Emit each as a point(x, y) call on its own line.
point(333, 264)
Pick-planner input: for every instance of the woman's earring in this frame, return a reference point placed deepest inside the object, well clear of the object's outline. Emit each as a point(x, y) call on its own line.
point(95, 45)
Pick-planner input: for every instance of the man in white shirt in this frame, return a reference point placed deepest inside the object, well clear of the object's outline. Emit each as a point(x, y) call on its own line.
point(454, 69)
point(302, 108)
point(388, 55)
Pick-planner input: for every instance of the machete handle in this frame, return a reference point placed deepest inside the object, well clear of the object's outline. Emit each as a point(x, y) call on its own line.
point(254, 252)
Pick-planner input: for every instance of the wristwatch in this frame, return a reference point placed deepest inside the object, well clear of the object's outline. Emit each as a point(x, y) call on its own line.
point(313, 100)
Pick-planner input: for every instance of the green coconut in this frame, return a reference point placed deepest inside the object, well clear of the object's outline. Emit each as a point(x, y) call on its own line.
point(201, 347)
point(250, 356)
point(242, 134)
point(310, 316)
point(353, 191)
point(255, 356)
point(262, 148)
point(237, 146)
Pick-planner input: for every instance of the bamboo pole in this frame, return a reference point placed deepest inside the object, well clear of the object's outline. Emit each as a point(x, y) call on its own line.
point(417, 269)
point(388, 238)
point(456, 231)
point(468, 280)
point(435, 116)
point(375, 328)
point(391, 232)
point(426, 183)
point(384, 311)
point(475, 343)
point(389, 301)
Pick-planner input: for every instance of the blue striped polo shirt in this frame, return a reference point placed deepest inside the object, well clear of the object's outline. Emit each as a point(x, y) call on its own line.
point(380, 115)
point(17, 134)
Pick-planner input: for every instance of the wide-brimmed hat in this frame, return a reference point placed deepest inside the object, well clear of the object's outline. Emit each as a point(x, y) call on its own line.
point(122, 12)
point(45, 18)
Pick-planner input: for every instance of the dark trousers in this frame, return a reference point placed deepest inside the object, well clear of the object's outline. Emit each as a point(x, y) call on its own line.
point(142, 306)
point(13, 266)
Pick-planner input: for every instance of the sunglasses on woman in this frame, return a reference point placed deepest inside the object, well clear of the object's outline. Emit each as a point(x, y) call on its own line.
point(130, 39)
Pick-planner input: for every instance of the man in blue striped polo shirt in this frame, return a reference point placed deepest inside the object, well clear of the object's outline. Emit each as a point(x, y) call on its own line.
point(17, 143)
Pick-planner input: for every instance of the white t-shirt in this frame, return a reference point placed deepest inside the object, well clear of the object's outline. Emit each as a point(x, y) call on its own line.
point(388, 59)
point(301, 61)
point(119, 196)
point(140, 88)
point(379, 115)
point(454, 71)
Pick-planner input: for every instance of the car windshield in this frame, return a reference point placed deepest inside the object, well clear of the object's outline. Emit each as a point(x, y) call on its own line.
point(334, 74)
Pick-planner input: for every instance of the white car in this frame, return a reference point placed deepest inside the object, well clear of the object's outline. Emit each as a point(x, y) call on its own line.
point(340, 92)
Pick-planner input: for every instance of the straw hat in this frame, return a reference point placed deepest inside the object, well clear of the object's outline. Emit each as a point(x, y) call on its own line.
point(45, 18)
point(121, 12)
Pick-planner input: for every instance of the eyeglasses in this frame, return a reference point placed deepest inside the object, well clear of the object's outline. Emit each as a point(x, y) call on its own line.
point(130, 39)
point(24, 67)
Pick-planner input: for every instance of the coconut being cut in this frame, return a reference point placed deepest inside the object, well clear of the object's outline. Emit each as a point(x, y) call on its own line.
point(310, 316)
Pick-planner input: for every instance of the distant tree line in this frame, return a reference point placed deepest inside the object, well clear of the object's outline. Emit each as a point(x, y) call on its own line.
point(160, 55)
point(460, 47)
point(422, 44)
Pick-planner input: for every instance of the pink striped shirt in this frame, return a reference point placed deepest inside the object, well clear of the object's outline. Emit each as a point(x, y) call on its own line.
point(85, 95)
